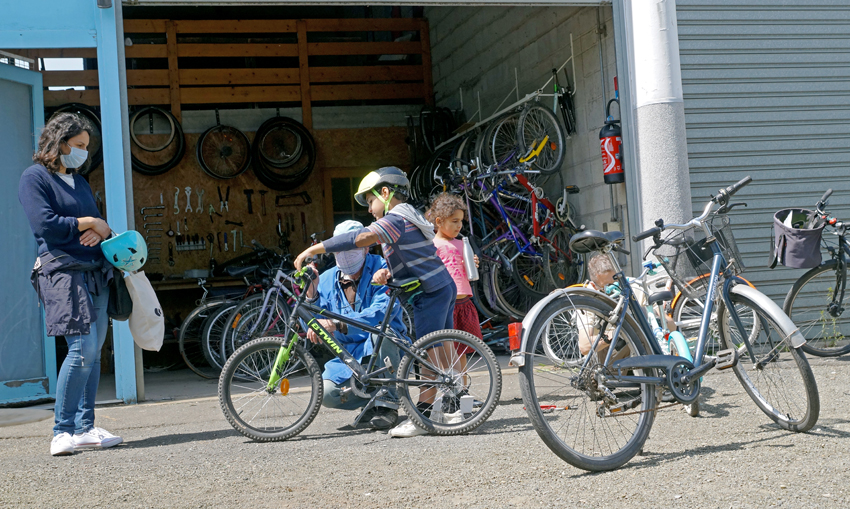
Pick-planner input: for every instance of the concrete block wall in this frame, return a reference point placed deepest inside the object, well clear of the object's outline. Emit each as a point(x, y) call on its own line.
point(484, 51)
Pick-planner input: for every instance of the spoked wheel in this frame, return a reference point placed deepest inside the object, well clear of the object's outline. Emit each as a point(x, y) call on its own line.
point(463, 392)
point(506, 291)
point(190, 339)
point(563, 267)
point(827, 331)
point(500, 145)
point(267, 411)
point(284, 153)
point(775, 375)
point(535, 125)
point(213, 330)
point(252, 325)
point(223, 152)
point(580, 415)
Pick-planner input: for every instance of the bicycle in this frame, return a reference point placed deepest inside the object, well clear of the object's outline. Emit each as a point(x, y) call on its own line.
point(271, 389)
point(816, 300)
point(595, 407)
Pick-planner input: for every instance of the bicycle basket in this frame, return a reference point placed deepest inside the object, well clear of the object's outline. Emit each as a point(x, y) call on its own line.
point(796, 239)
point(686, 256)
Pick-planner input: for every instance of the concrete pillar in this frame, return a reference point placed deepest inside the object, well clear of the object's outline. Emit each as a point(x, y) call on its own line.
point(113, 127)
point(663, 185)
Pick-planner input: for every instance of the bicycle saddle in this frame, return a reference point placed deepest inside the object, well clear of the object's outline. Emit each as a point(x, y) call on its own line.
point(240, 271)
point(663, 296)
point(592, 240)
point(408, 285)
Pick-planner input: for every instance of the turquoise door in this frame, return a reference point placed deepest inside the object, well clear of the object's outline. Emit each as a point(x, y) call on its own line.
point(27, 356)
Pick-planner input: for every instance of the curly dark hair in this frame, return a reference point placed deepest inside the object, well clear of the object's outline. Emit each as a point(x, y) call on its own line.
point(444, 206)
point(60, 128)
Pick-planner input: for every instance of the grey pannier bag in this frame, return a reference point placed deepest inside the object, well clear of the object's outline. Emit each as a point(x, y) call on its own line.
point(796, 238)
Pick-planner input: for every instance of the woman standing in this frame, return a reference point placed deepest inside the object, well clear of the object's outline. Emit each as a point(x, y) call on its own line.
point(70, 275)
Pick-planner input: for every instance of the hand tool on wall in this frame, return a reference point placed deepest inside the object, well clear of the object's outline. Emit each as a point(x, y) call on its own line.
point(161, 203)
point(234, 223)
point(234, 239)
point(200, 201)
point(189, 199)
point(219, 241)
point(146, 225)
point(212, 211)
point(263, 200)
point(225, 242)
point(170, 232)
point(220, 200)
point(227, 199)
point(303, 228)
point(242, 241)
point(211, 241)
point(248, 193)
point(292, 222)
point(185, 226)
point(146, 216)
point(292, 200)
point(143, 209)
point(157, 236)
point(176, 200)
point(279, 228)
point(170, 254)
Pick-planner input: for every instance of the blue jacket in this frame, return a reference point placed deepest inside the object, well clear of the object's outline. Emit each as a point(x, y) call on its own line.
point(370, 306)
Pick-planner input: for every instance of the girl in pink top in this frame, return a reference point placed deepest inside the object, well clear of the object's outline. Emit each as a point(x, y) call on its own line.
point(447, 213)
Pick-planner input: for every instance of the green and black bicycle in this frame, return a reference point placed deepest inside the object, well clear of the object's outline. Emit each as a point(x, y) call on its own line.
point(270, 389)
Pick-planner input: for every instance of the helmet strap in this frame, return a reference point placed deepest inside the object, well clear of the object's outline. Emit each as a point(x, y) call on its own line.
point(385, 202)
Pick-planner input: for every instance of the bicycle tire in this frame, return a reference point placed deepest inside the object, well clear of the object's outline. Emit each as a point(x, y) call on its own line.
point(289, 172)
point(240, 333)
point(502, 141)
point(223, 152)
point(781, 360)
point(212, 330)
point(95, 147)
point(249, 366)
point(190, 338)
point(816, 291)
point(562, 266)
point(246, 305)
point(535, 123)
point(553, 420)
point(463, 383)
point(176, 134)
point(150, 110)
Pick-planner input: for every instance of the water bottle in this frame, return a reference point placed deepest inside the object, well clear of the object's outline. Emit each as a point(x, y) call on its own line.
point(469, 261)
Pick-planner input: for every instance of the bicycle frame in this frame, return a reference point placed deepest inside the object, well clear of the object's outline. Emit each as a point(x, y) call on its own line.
point(366, 375)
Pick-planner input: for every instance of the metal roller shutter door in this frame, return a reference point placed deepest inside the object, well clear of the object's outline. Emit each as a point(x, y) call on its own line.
point(767, 94)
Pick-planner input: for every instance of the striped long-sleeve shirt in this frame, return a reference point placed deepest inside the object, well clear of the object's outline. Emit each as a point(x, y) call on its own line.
point(407, 251)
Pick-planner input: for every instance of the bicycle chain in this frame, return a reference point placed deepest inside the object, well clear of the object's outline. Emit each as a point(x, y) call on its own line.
point(644, 411)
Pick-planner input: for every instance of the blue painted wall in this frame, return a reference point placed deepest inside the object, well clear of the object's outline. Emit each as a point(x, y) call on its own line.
point(48, 23)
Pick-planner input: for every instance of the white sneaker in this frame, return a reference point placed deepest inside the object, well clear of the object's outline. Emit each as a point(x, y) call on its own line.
point(62, 445)
point(406, 430)
point(96, 438)
point(453, 418)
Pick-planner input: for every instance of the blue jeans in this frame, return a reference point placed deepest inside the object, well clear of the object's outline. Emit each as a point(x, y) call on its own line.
point(331, 396)
point(76, 386)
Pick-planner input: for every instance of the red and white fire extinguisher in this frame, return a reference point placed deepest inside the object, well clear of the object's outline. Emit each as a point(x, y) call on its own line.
point(611, 141)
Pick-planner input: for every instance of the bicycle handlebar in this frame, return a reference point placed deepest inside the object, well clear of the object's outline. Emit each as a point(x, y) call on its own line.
point(723, 196)
point(646, 234)
point(821, 205)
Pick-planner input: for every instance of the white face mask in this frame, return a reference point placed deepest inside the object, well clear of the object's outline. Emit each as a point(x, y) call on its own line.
point(75, 159)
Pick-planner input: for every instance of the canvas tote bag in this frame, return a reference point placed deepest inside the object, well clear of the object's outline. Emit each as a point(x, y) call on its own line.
point(147, 323)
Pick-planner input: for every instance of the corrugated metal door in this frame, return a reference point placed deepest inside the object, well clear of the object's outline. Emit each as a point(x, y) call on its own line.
point(767, 94)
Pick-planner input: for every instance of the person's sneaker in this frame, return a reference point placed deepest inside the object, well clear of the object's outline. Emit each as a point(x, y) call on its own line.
point(385, 418)
point(62, 445)
point(96, 438)
point(364, 421)
point(406, 430)
point(453, 418)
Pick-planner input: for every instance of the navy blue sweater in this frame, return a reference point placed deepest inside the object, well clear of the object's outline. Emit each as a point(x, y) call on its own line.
point(53, 207)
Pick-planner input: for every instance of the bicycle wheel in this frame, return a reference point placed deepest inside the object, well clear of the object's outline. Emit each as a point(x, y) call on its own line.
point(255, 320)
point(563, 267)
point(535, 124)
point(505, 290)
point(212, 331)
point(777, 376)
point(476, 378)
point(147, 154)
point(270, 414)
point(687, 312)
point(223, 152)
point(501, 141)
point(246, 306)
point(589, 423)
point(190, 338)
point(807, 303)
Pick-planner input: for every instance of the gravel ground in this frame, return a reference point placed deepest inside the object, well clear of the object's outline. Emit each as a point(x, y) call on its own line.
point(184, 454)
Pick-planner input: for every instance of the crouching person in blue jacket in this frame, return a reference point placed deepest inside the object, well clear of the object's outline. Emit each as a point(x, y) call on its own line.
point(347, 290)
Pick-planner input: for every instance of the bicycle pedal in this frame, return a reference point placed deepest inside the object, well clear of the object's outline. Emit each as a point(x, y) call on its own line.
point(389, 365)
point(726, 359)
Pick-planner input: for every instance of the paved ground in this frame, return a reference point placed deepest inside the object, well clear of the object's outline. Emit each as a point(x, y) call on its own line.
point(184, 454)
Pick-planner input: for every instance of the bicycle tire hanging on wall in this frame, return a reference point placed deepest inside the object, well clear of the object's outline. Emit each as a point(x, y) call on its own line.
point(223, 152)
point(175, 142)
point(284, 153)
point(95, 144)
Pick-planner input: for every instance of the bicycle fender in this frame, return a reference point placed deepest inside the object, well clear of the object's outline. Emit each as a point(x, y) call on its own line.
point(681, 343)
point(762, 300)
point(518, 357)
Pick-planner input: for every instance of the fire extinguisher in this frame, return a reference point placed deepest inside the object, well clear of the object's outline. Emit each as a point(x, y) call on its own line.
point(611, 141)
